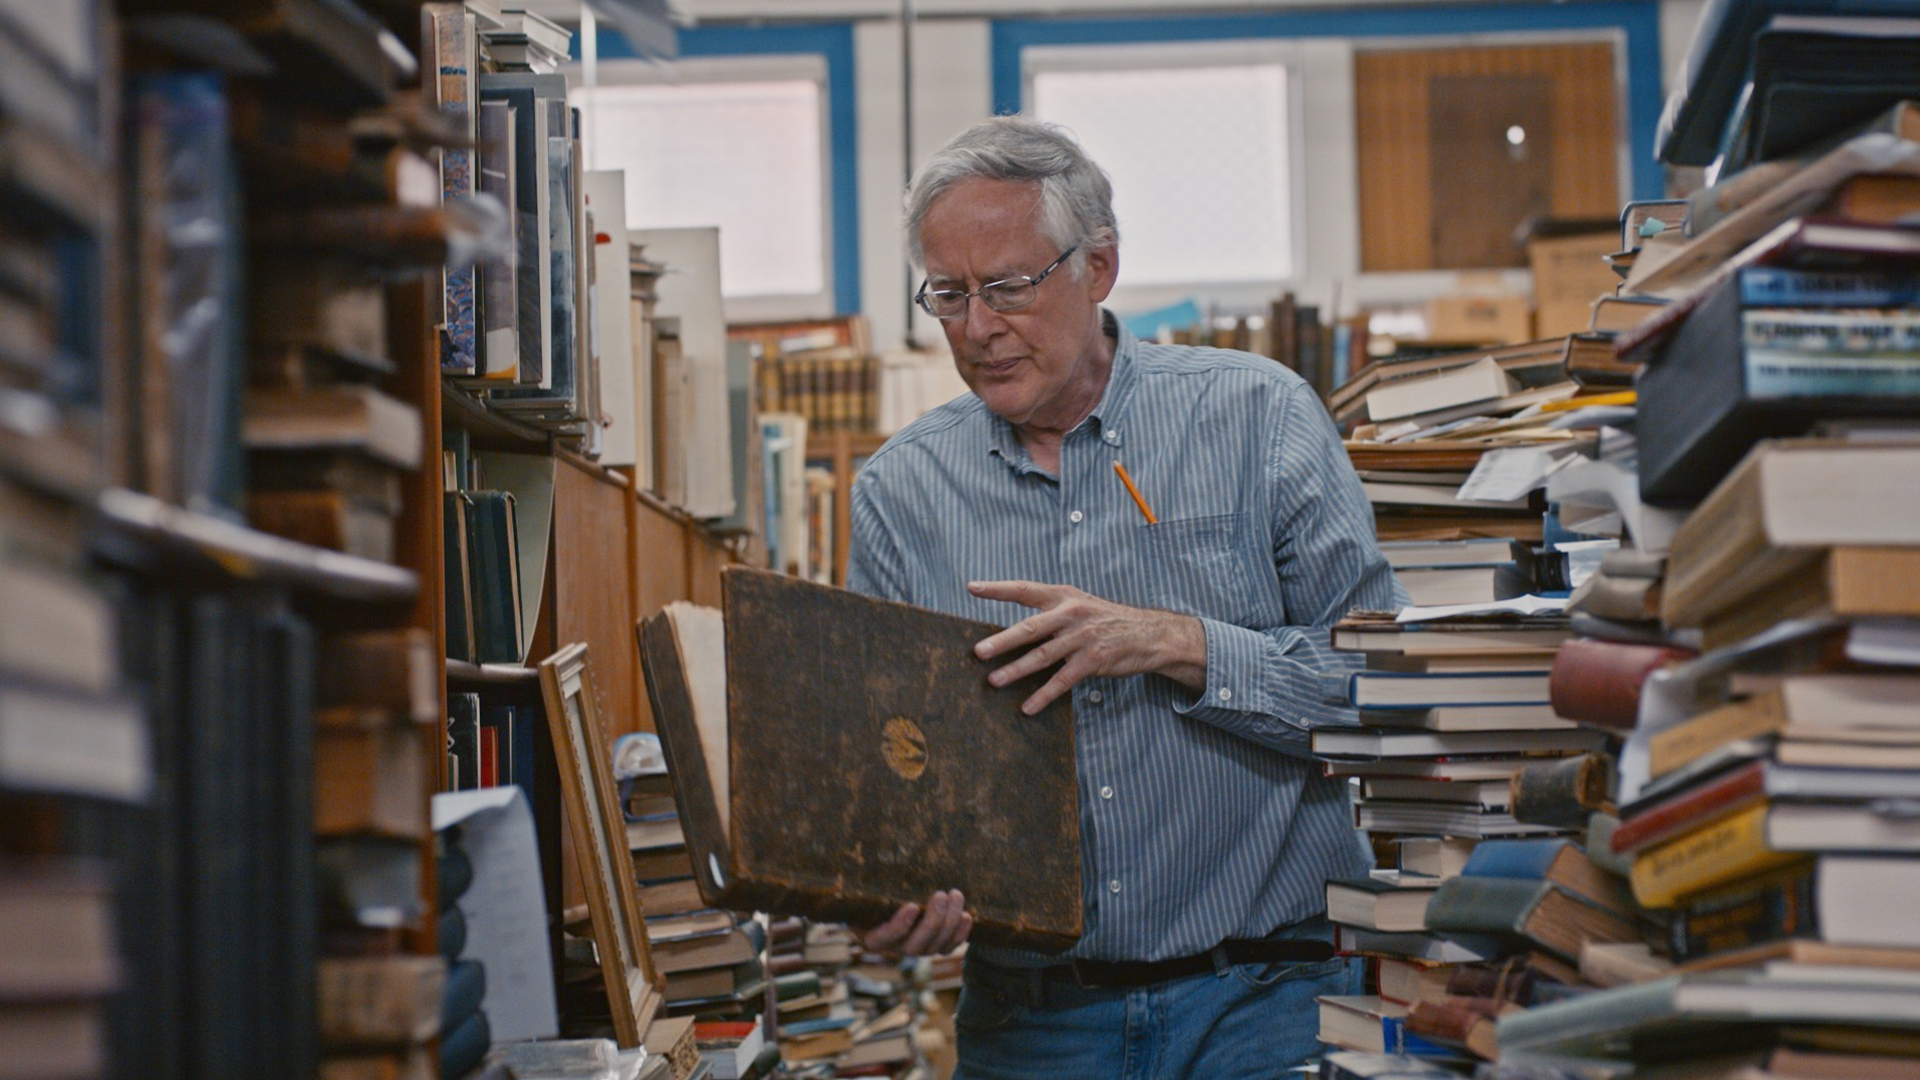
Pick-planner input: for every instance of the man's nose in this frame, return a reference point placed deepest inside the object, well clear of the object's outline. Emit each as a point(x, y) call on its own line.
point(982, 322)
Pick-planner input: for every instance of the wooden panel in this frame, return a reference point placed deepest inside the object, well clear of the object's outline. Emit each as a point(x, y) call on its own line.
point(1394, 108)
point(659, 559)
point(591, 601)
point(1485, 185)
point(705, 556)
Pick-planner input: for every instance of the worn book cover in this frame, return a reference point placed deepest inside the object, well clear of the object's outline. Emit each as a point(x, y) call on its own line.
point(837, 756)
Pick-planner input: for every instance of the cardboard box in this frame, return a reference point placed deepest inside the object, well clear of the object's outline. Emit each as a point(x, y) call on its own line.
point(1480, 319)
point(1569, 273)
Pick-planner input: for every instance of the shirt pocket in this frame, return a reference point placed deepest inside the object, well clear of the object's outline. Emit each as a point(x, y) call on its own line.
point(1206, 566)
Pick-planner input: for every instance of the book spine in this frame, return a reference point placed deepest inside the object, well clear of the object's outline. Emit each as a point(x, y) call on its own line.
point(1764, 714)
point(1776, 286)
point(1698, 860)
point(1754, 912)
point(1561, 792)
point(1598, 682)
point(1695, 806)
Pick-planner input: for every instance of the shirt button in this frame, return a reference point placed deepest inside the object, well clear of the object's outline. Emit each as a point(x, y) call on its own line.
point(1095, 696)
point(1226, 694)
point(1106, 792)
point(1112, 437)
point(1113, 886)
point(1075, 517)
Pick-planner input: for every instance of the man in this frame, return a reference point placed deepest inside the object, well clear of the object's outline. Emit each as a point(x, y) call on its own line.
point(1187, 622)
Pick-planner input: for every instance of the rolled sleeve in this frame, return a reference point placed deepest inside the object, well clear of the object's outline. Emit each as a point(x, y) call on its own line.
point(1274, 685)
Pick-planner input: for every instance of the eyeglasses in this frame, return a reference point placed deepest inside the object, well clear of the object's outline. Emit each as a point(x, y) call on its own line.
point(1007, 294)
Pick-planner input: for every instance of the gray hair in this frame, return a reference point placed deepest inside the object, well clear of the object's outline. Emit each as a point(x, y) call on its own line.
point(1076, 199)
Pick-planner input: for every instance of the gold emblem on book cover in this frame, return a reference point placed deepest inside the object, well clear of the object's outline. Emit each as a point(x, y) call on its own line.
point(904, 746)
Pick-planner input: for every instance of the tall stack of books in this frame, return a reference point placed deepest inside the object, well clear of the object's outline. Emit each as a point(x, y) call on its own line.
point(1773, 445)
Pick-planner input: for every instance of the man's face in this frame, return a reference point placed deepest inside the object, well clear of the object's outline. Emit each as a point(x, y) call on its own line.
point(1041, 365)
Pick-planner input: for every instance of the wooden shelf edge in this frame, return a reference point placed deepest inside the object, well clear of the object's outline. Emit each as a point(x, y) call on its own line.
point(460, 408)
point(462, 673)
point(250, 555)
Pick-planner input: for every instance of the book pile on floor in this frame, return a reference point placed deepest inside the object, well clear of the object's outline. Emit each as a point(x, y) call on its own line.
point(1752, 646)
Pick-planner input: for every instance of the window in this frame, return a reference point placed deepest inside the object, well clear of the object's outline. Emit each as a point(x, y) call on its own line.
point(1199, 147)
point(740, 145)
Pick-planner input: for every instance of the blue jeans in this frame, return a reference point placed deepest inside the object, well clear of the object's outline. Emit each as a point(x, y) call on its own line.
point(1250, 1020)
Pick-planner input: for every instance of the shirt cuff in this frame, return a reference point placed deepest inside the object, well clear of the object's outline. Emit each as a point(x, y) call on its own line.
point(1236, 673)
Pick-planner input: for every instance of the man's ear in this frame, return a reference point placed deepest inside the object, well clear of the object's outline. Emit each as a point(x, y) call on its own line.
point(1103, 269)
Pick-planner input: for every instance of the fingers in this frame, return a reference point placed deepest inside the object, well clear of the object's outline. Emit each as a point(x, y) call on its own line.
point(888, 935)
point(1055, 688)
point(956, 934)
point(945, 917)
point(1028, 593)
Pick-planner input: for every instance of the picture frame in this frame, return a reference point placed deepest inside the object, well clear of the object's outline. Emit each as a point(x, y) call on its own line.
point(600, 837)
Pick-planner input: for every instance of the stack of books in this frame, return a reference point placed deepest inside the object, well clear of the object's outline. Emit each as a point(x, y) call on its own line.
point(1771, 527)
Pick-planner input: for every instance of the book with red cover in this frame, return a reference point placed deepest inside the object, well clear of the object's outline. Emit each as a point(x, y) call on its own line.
point(1598, 682)
point(1719, 796)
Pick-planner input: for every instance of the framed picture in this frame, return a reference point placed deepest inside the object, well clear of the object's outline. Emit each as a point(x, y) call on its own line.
point(600, 836)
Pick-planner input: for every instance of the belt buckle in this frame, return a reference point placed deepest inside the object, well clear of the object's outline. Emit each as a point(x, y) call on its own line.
point(1080, 968)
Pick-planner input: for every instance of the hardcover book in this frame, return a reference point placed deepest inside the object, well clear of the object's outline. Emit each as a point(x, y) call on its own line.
point(940, 781)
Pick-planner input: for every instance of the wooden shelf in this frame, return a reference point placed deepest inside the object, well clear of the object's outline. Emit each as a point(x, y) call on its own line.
point(163, 534)
point(462, 673)
point(488, 429)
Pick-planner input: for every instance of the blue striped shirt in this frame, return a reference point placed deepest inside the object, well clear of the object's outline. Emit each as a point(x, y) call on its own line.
point(1201, 816)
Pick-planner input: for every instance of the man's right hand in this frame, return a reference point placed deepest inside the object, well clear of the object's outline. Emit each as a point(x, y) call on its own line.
point(937, 928)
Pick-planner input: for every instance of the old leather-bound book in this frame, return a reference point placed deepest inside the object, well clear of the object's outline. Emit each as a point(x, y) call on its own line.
point(836, 756)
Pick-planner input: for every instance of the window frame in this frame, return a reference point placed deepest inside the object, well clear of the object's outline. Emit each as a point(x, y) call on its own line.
point(1186, 55)
point(714, 70)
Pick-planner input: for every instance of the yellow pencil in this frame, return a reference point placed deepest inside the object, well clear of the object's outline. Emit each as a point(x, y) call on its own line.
point(1145, 510)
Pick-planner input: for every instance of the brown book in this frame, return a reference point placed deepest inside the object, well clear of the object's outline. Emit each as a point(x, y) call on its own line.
point(1845, 582)
point(323, 519)
point(671, 897)
point(1881, 198)
point(795, 681)
point(1835, 706)
point(370, 780)
point(414, 1063)
point(658, 864)
point(1458, 1021)
point(1610, 596)
point(315, 305)
point(714, 950)
point(1773, 515)
point(363, 481)
point(56, 931)
point(671, 1037)
point(338, 418)
point(53, 1039)
point(1561, 792)
point(1598, 682)
point(380, 1000)
point(1591, 362)
point(391, 669)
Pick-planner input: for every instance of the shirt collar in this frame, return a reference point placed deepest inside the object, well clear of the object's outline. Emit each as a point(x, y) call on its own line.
point(1106, 416)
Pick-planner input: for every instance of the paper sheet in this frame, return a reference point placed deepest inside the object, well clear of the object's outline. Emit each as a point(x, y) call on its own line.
point(505, 909)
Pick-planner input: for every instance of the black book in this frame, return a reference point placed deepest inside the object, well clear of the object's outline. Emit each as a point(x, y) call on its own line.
point(461, 633)
point(1728, 378)
point(494, 556)
point(463, 740)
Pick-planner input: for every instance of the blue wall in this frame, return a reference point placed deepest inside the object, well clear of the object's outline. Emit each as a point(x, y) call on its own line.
point(834, 42)
point(1639, 20)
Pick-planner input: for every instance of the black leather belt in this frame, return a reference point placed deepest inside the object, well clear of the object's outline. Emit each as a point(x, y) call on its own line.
point(1128, 974)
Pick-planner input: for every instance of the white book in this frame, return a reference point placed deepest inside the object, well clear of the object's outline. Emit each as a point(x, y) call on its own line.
point(1482, 380)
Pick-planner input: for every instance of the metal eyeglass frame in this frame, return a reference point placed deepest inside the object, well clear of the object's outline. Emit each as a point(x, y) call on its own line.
point(992, 294)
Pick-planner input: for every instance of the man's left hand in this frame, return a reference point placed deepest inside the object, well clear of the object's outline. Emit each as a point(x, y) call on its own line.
point(1089, 638)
